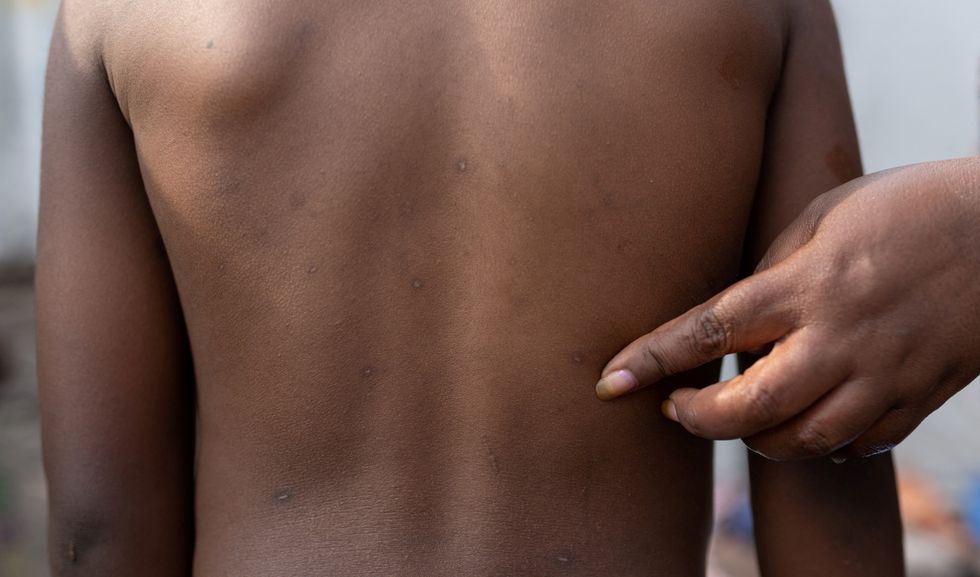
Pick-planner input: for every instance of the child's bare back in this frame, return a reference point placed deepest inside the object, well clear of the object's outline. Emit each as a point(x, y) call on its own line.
point(405, 238)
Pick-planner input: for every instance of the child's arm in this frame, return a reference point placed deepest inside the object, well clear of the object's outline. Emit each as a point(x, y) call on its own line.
point(116, 378)
point(815, 517)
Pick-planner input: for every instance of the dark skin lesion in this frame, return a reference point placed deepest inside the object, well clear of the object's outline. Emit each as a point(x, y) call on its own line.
point(76, 542)
point(842, 164)
point(729, 70)
point(283, 495)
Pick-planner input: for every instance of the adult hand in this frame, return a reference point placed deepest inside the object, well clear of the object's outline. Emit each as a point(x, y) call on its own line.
point(870, 301)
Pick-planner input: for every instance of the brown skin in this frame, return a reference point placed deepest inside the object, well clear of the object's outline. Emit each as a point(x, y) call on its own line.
point(404, 238)
point(869, 301)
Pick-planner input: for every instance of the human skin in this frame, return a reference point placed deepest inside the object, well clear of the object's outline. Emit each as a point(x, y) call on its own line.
point(385, 247)
point(871, 306)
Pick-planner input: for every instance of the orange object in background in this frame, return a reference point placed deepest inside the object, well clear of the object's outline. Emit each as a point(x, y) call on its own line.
point(937, 542)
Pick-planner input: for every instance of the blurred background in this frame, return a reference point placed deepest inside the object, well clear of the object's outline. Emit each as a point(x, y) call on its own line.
point(914, 73)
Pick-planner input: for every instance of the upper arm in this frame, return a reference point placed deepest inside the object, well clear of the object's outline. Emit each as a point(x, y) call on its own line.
point(852, 526)
point(114, 367)
point(811, 143)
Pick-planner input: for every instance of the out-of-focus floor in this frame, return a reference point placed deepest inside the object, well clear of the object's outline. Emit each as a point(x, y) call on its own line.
point(939, 467)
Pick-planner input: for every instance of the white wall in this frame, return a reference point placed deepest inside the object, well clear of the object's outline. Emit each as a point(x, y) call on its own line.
point(913, 72)
point(25, 29)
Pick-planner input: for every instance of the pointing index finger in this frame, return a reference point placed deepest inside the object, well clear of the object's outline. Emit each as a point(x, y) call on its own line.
point(745, 316)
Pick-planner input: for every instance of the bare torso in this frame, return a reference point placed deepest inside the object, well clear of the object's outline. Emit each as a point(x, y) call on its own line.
point(408, 235)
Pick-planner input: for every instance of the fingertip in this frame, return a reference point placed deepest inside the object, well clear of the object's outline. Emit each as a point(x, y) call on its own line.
point(669, 410)
point(615, 384)
point(681, 403)
point(617, 361)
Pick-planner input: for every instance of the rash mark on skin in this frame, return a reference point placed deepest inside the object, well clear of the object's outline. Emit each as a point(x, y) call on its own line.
point(578, 358)
point(297, 199)
point(418, 283)
point(565, 558)
point(729, 71)
point(406, 209)
point(210, 44)
point(80, 535)
point(367, 371)
point(490, 454)
point(255, 235)
point(841, 164)
point(283, 495)
point(306, 32)
point(311, 269)
point(461, 164)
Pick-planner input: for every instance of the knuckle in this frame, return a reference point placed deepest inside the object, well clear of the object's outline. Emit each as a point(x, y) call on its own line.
point(890, 393)
point(712, 335)
point(693, 424)
point(656, 357)
point(690, 418)
point(762, 406)
point(814, 441)
point(891, 431)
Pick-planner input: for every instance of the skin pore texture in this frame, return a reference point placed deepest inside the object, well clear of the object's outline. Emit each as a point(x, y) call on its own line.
point(389, 247)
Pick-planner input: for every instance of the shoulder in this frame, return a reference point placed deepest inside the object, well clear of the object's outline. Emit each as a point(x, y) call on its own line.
point(80, 31)
point(76, 83)
point(83, 40)
point(77, 57)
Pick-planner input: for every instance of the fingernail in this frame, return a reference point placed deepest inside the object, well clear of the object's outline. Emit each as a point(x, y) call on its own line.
point(758, 452)
point(615, 384)
point(669, 409)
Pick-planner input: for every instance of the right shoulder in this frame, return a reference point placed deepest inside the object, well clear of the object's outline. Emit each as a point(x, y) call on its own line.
point(83, 40)
point(80, 31)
